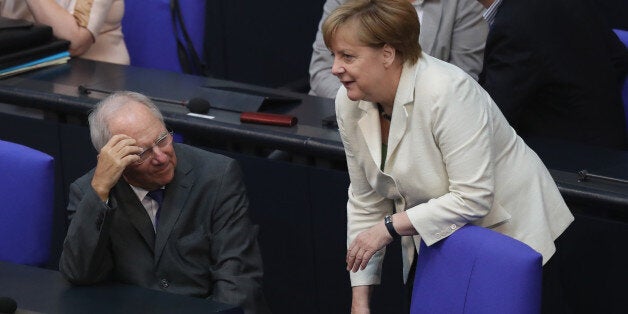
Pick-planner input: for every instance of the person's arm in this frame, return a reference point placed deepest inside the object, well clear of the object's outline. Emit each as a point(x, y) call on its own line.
point(86, 258)
point(236, 264)
point(322, 82)
point(462, 126)
point(63, 24)
point(366, 210)
point(360, 296)
point(468, 37)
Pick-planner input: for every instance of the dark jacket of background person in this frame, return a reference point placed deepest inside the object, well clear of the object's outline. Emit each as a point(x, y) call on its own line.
point(555, 71)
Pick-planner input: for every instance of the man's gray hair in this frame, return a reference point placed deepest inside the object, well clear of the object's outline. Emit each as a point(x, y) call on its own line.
point(106, 108)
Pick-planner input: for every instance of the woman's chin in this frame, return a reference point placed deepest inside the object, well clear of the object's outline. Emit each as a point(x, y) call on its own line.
point(354, 96)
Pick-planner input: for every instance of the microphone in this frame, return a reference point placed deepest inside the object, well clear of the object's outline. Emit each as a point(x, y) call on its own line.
point(199, 108)
point(7, 305)
point(198, 105)
point(84, 90)
point(584, 175)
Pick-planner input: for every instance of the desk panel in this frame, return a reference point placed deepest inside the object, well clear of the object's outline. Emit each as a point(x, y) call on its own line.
point(45, 291)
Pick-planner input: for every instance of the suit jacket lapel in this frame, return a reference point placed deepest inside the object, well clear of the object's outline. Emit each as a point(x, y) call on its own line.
point(133, 208)
point(175, 196)
point(402, 109)
point(371, 130)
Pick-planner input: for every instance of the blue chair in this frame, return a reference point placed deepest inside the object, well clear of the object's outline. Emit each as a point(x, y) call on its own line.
point(150, 37)
point(26, 204)
point(623, 36)
point(477, 270)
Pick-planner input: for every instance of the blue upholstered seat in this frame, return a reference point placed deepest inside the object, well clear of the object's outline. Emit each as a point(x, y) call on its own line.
point(623, 36)
point(149, 35)
point(476, 270)
point(26, 204)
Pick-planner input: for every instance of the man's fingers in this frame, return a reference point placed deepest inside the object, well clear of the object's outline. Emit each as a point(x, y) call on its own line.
point(115, 139)
point(129, 159)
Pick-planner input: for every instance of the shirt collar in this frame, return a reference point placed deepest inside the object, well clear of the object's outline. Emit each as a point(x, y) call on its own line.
point(490, 13)
point(141, 193)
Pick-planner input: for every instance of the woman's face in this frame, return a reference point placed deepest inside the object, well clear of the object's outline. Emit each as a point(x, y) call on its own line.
point(358, 67)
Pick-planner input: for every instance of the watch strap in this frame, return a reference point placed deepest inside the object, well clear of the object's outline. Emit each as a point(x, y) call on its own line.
point(389, 226)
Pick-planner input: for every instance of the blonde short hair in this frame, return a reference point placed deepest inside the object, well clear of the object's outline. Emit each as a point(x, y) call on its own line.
point(379, 22)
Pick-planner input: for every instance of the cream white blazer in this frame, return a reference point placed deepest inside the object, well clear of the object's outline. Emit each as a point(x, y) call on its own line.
point(452, 159)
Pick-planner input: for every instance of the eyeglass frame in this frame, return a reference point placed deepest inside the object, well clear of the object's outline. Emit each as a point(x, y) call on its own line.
point(151, 150)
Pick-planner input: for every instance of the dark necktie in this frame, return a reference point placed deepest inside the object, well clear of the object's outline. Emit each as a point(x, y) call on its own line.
point(158, 196)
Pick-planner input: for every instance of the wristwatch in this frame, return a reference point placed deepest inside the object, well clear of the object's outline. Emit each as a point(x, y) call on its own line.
point(389, 225)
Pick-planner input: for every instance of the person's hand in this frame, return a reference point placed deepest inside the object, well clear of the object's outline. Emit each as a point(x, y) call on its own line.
point(365, 245)
point(114, 157)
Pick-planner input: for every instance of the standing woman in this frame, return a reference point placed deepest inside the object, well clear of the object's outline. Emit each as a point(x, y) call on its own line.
point(427, 149)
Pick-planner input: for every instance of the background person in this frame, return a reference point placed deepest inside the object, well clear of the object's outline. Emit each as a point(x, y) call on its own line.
point(427, 149)
point(554, 75)
point(93, 27)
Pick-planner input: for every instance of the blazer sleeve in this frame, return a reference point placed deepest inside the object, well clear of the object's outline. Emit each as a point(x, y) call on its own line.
point(236, 264)
point(322, 82)
point(365, 206)
point(468, 37)
point(86, 257)
point(461, 124)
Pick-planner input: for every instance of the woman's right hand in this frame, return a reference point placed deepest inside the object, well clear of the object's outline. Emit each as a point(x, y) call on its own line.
point(360, 300)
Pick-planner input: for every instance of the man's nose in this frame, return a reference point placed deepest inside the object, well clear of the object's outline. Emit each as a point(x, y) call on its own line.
point(159, 156)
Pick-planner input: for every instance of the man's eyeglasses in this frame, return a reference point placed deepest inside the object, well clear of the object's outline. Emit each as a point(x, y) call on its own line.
point(162, 141)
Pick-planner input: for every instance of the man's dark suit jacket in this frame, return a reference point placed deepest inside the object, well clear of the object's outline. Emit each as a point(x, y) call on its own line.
point(555, 70)
point(205, 244)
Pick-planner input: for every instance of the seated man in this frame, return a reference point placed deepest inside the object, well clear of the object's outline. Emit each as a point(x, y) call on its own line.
point(195, 239)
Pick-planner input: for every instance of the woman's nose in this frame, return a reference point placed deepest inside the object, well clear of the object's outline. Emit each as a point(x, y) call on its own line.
point(337, 68)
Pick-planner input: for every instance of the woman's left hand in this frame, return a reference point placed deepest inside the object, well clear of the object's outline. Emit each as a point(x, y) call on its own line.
point(365, 245)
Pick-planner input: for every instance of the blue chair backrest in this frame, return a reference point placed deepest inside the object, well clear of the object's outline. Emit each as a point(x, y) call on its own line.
point(477, 270)
point(149, 35)
point(26, 204)
point(623, 36)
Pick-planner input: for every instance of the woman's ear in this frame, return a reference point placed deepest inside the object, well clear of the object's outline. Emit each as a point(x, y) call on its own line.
point(388, 53)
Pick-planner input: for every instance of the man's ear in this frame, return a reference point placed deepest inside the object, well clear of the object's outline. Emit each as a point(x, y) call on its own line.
point(388, 53)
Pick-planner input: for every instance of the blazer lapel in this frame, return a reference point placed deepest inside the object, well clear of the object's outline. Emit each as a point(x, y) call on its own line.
point(133, 208)
point(175, 196)
point(371, 130)
point(402, 108)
